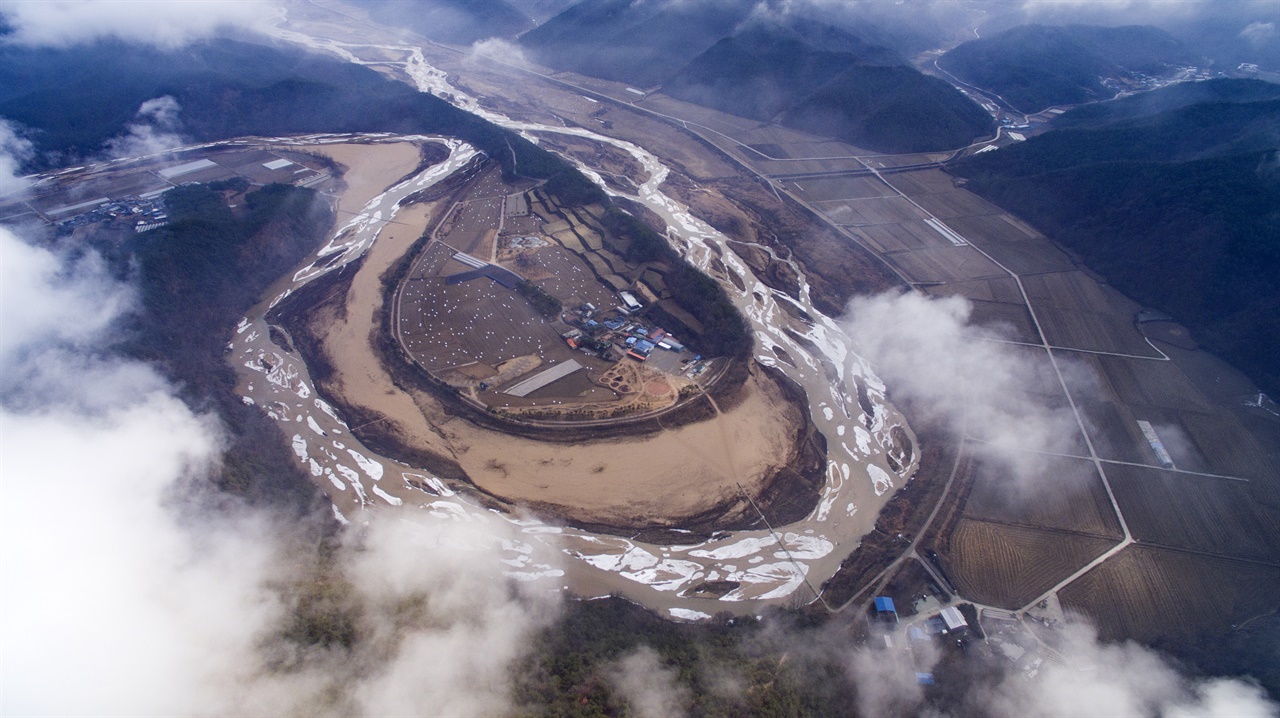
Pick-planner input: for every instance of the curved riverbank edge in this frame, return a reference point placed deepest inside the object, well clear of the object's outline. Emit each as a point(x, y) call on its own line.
point(789, 492)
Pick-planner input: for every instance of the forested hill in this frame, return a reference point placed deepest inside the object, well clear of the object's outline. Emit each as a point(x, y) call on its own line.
point(1036, 66)
point(766, 69)
point(70, 101)
point(818, 79)
point(1179, 209)
point(642, 43)
point(801, 72)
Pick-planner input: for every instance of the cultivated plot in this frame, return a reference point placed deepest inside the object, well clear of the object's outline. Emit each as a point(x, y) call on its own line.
point(1009, 566)
point(1197, 513)
point(1145, 593)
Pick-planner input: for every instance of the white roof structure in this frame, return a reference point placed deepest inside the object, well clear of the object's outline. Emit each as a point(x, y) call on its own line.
point(952, 617)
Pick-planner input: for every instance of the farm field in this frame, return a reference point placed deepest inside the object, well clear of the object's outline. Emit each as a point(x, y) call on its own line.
point(833, 188)
point(1073, 500)
point(1145, 593)
point(1198, 513)
point(869, 210)
point(1009, 566)
point(944, 264)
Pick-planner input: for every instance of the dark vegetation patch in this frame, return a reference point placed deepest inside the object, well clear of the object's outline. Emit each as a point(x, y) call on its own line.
point(74, 99)
point(1179, 209)
point(196, 277)
point(724, 330)
point(891, 109)
point(547, 305)
point(567, 672)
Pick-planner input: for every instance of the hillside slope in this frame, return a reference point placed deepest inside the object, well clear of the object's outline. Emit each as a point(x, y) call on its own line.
point(1036, 66)
point(1179, 209)
point(72, 100)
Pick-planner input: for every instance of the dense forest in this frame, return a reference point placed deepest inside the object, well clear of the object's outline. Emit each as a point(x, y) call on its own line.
point(1036, 66)
point(725, 330)
point(891, 109)
point(829, 83)
point(196, 277)
point(1180, 209)
point(72, 100)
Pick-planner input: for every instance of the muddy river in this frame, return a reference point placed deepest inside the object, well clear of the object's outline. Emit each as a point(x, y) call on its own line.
point(783, 563)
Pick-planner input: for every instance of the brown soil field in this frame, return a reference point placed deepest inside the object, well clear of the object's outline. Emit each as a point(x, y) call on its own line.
point(829, 188)
point(565, 276)
point(922, 182)
point(1198, 513)
point(1068, 495)
point(1146, 593)
point(1140, 383)
point(1001, 227)
point(1095, 332)
point(1026, 256)
point(1075, 291)
point(1115, 433)
point(1013, 319)
point(997, 289)
point(1009, 566)
point(870, 210)
point(944, 264)
point(909, 235)
point(952, 203)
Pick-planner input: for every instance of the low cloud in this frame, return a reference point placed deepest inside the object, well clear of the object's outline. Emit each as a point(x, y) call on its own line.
point(1097, 680)
point(1259, 33)
point(15, 152)
point(885, 678)
point(155, 129)
point(121, 566)
point(648, 687)
point(498, 49)
point(157, 22)
point(963, 375)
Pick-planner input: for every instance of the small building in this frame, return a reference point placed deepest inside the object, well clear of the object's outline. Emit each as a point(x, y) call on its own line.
point(953, 619)
point(924, 679)
point(884, 604)
point(629, 301)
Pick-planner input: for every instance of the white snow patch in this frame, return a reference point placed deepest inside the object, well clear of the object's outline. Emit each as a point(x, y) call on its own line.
point(393, 500)
point(688, 614)
point(369, 466)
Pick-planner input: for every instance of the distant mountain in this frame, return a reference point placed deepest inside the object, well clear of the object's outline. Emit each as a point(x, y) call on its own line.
point(642, 43)
point(1036, 66)
point(458, 22)
point(891, 109)
point(795, 70)
point(1183, 94)
point(1178, 208)
point(767, 69)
